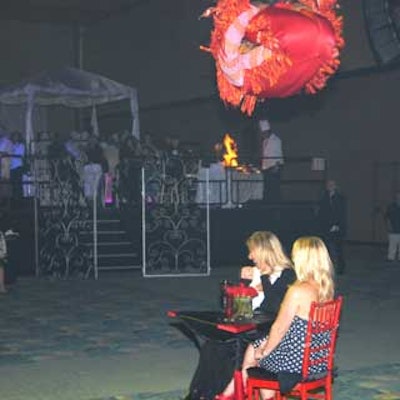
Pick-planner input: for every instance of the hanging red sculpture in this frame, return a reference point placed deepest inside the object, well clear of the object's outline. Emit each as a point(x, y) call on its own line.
point(264, 51)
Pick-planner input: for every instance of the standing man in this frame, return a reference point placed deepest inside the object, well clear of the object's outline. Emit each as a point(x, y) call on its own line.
point(17, 165)
point(93, 170)
point(271, 162)
point(331, 218)
point(6, 149)
point(393, 226)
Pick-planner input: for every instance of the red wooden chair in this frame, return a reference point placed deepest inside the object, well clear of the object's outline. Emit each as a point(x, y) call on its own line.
point(323, 319)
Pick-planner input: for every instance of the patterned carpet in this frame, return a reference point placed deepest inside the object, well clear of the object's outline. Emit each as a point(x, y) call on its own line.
point(46, 320)
point(379, 383)
point(84, 318)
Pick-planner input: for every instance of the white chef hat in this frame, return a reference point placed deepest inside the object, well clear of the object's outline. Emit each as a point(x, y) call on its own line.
point(264, 125)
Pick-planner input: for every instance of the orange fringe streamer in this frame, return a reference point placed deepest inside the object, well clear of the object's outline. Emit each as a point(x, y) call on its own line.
point(246, 97)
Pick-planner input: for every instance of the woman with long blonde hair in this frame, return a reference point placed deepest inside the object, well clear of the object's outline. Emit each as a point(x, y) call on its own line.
point(313, 264)
point(272, 271)
point(282, 350)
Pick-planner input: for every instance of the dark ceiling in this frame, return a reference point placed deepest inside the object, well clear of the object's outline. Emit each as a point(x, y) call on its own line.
point(64, 11)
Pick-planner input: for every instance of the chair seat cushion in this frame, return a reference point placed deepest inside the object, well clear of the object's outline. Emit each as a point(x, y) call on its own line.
point(287, 380)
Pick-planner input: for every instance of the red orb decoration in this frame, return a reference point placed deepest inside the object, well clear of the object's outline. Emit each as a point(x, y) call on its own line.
point(274, 51)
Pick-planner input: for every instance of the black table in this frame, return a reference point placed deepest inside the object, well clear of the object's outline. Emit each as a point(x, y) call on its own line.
point(211, 325)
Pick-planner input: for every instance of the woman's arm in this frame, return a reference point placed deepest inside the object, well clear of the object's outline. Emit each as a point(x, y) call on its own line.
point(282, 323)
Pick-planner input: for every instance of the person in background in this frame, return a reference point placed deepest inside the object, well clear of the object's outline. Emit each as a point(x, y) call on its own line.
point(94, 168)
point(148, 149)
point(72, 146)
point(130, 181)
point(111, 153)
point(17, 164)
point(271, 162)
point(392, 217)
point(272, 274)
point(153, 163)
point(6, 148)
point(173, 159)
point(281, 352)
point(3, 258)
point(332, 221)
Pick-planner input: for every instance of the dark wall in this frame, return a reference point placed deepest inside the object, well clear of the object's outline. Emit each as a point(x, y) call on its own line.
point(357, 52)
point(155, 48)
point(28, 48)
point(355, 127)
point(353, 124)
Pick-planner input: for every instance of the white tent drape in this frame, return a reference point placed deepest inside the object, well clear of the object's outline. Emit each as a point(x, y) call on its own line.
point(69, 87)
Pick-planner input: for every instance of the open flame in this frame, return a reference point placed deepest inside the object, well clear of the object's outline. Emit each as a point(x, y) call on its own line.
point(231, 152)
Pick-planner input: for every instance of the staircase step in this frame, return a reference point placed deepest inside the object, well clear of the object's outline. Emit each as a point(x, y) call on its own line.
point(121, 261)
point(120, 267)
point(117, 255)
point(115, 249)
point(106, 221)
point(111, 244)
point(103, 231)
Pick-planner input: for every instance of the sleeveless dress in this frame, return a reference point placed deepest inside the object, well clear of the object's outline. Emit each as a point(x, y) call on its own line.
point(288, 355)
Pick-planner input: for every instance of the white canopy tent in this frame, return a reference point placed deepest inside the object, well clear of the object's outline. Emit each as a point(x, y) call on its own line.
point(69, 87)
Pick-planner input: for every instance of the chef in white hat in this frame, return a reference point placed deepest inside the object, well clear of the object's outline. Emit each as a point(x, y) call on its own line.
point(271, 161)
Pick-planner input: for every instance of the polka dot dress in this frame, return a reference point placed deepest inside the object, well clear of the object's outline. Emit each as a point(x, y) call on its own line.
point(288, 355)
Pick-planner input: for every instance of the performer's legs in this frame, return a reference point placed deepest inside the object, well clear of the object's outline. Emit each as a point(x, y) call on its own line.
point(341, 263)
point(398, 245)
point(334, 244)
point(272, 185)
point(16, 180)
point(393, 239)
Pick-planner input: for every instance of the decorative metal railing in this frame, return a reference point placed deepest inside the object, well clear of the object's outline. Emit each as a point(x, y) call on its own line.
point(64, 220)
point(175, 229)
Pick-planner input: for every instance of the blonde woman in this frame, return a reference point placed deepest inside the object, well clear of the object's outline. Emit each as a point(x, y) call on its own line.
point(281, 351)
point(272, 274)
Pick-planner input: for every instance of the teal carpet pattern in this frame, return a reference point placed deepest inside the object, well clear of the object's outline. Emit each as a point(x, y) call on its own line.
point(55, 320)
point(378, 383)
point(64, 319)
point(174, 395)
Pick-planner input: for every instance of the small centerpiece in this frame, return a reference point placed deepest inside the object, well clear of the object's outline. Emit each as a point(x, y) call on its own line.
point(239, 302)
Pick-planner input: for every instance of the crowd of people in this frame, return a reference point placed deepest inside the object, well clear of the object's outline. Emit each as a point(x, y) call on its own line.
point(107, 166)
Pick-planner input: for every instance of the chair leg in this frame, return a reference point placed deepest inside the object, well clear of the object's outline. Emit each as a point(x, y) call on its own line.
point(239, 389)
point(253, 393)
point(328, 391)
point(249, 391)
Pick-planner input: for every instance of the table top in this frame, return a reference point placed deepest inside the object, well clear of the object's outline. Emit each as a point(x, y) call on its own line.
point(212, 324)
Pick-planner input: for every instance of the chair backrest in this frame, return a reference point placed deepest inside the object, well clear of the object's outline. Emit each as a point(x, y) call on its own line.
point(323, 323)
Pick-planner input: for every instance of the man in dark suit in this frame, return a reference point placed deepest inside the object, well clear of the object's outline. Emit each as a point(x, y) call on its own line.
point(331, 216)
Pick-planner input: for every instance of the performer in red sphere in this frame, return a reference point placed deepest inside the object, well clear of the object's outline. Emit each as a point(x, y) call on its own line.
point(273, 49)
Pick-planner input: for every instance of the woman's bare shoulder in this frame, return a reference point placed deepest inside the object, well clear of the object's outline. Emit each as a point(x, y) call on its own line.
point(304, 290)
